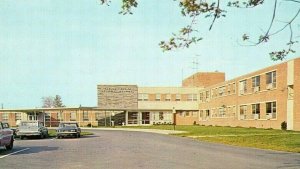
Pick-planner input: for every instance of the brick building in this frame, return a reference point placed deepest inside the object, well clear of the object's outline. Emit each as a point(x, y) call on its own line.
point(262, 99)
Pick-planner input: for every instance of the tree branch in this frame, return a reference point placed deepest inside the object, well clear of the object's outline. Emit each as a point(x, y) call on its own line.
point(217, 11)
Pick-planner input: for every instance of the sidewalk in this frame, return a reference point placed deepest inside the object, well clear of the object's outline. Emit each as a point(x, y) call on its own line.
point(140, 130)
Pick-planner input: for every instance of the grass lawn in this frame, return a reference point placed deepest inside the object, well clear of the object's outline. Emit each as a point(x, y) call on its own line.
point(52, 133)
point(248, 137)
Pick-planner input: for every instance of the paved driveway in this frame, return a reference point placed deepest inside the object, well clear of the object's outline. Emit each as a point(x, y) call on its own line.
point(126, 149)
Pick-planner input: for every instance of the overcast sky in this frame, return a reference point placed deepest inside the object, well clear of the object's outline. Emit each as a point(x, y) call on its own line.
point(67, 47)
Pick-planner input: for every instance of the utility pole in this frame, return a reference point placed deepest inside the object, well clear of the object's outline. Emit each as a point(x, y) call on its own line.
point(1, 105)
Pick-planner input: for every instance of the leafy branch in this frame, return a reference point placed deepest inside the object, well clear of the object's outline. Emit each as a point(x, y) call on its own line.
point(276, 55)
point(193, 9)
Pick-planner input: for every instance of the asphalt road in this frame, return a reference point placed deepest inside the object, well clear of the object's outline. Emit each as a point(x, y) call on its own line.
point(125, 149)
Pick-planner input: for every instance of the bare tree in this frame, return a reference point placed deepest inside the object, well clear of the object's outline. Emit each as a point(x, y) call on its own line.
point(50, 102)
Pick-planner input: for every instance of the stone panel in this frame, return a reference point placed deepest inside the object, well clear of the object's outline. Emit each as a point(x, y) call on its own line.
point(118, 96)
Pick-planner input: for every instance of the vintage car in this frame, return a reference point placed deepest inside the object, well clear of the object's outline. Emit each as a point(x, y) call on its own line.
point(31, 128)
point(6, 125)
point(68, 129)
point(6, 137)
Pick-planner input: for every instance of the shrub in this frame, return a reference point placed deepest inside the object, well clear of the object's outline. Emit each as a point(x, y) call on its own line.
point(194, 123)
point(89, 125)
point(283, 125)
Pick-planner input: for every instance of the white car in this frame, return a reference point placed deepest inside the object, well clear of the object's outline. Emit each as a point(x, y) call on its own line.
point(31, 128)
point(6, 137)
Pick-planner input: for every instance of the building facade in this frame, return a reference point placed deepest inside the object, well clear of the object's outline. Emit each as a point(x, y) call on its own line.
point(263, 99)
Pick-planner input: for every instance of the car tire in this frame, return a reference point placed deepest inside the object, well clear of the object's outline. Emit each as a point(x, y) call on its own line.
point(41, 136)
point(21, 137)
point(78, 135)
point(11, 144)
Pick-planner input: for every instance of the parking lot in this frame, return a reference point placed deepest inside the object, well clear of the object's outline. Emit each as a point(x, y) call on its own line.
point(125, 149)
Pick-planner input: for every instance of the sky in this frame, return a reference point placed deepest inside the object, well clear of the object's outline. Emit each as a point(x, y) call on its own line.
point(66, 48)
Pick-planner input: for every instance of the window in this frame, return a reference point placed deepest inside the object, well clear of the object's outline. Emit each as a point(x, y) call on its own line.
point(256, 83)
point(271, 110)
point(233, 87)
point(256, 111)
point(59, 116)
point(161, 115)
point(201, 115)
point(192, 97)
point(73, 116)
point(18, 116)
point(271, 79)
point(98, 116)
point(181, 113)
point(243, 86)
point(168, 97)
point(47, 116)
point(195, 113)
point(85, 116)
point(228, 89)
point(233, 111)
point(212, 93)
point(157, 97)
point(140, 96)
point(207, 95)
point(143, 97)
point(178, 97)
point(201, 97)
point(214, 113)
point(4, 116)
point(243, 112)
point(221, 91)
point(187, 113)
point(222, 112)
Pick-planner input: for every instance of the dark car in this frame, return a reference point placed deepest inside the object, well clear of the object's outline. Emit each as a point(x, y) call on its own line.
point(68, 129)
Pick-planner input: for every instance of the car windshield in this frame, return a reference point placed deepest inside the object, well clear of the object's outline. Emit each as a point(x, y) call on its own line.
point(68, 125)
point(29, 124)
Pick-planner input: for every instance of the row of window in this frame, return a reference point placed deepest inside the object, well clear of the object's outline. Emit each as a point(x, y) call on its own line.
point(72, 116)
point(158, 97)
point(5, 116)
point(230, 88)
point(254, 113)
point(256, 83)
point(224, 90)
point(188, 113)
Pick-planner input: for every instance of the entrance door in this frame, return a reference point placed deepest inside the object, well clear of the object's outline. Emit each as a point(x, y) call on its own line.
point(145, 117)
point(207, 114)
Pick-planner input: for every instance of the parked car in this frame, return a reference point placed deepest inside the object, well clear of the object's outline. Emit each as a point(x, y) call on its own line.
point(6, 125)
point(68, 129)
point(32, 128)
point(6, 137)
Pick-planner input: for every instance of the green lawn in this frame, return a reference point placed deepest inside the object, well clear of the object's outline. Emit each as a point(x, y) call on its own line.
point(52, 133)
point(248, 137)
